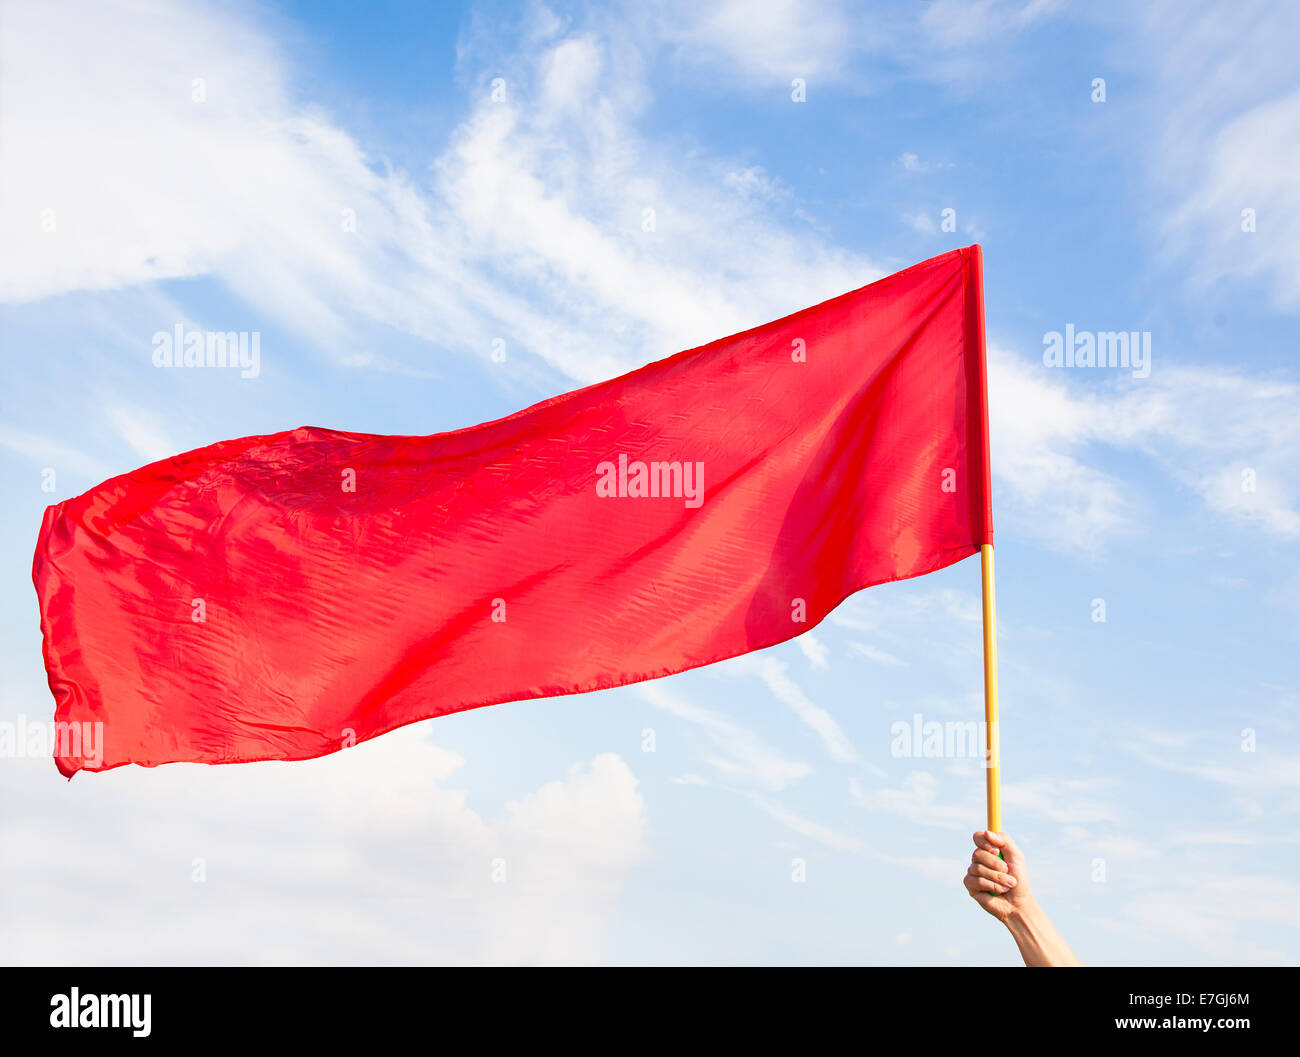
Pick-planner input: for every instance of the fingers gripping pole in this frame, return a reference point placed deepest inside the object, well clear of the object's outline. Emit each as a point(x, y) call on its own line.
point(993, 759)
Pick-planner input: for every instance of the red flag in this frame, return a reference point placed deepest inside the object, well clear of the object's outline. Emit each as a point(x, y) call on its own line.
point(281, 597)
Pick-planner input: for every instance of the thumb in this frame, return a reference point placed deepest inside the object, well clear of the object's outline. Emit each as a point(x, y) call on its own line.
point(1011, 853)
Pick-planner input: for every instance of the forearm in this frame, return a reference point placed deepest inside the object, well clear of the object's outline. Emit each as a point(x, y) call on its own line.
point(1039, 942)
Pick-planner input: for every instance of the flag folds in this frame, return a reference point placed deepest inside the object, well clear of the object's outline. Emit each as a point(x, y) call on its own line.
point(280, 597)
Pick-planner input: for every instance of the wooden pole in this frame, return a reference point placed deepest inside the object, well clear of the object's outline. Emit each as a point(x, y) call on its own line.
point(993, 761)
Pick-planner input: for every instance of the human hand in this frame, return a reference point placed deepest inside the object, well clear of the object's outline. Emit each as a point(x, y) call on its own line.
point(1000, 886)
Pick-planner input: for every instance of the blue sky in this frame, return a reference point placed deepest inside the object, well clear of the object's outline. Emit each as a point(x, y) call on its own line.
point(341, 180)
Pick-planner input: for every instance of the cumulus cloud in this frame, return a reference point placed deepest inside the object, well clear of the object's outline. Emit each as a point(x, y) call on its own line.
point(368, 856)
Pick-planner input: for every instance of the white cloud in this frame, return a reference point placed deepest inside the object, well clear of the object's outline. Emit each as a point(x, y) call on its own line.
point(1226, 116)
point(1228, 837)
point(921, 223)
point(1038, 428)
point(918, 801)
point(775, 40)
point(875, 611)
point(366, 856)
point(1061, 800)
point(816, 651)
point(544, 194)
point(776, 678)
point(815, 831)
point(575, 203)
point(754, 182)
point(761, 45)
point(142, 431)
point(1250, 165)
point(935, 868)
point(1203, 426)
point(912, 163)
point(53, 454)
point(874, 654)
point(1225, 764)
point(957, 24)
point(745, 755)
point(1207, 912)
point(242, 184)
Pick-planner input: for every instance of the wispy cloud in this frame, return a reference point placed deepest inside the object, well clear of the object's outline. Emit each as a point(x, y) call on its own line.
point(550, 189)
point(816, 651)
point(805, 827)
point(917, 801)
point(1228, 436)
point(744, 755)
point(776, 678)
point(1064, 801)
point(880, 656)
point(1224, 110)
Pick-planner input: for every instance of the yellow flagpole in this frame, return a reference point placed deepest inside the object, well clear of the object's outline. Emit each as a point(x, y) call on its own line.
point(993, 761)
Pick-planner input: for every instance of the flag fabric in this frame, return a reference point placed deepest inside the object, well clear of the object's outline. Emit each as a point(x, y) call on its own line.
point(280, 597)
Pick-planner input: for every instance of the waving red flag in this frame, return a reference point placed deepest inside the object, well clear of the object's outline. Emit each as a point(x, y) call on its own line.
point(281, 597)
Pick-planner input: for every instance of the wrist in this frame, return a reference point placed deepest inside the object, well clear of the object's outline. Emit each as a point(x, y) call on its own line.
point(1024, 917)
